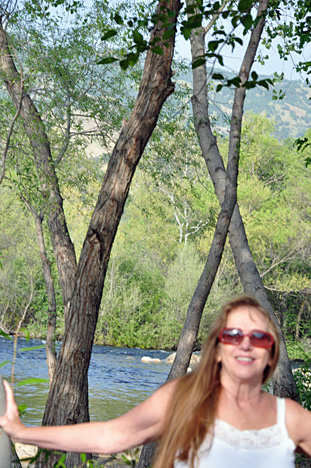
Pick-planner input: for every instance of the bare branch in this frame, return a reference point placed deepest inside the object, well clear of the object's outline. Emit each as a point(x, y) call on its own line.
point(286, 258)
point(215, 17)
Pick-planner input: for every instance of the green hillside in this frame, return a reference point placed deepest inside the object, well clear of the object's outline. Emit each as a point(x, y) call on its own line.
point(291, 114)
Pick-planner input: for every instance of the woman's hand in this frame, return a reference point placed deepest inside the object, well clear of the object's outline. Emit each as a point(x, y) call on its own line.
point(10, 421)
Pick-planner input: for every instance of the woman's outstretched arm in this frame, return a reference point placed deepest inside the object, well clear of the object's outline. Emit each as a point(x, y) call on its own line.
point(142, 424)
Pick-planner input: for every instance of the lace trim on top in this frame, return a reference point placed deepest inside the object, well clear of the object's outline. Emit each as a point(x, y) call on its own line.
point(267, 437)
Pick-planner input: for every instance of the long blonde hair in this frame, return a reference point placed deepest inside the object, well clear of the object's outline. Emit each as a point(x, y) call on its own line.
point(193, 408)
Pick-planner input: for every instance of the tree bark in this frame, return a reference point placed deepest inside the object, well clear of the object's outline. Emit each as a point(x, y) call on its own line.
point(62, 246)
point(68, 398)
point(283, 383)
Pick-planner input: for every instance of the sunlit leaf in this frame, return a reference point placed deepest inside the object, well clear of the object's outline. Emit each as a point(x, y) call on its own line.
point(4, 363)
point(31, 381)
point(25, 332)
point(22, 409)
point(31, 348)
point(2, 333)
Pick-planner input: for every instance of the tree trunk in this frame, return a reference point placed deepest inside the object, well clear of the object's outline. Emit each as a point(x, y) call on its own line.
point(68, 398)
point(284, 384)
point(62, 246)
point(50, 290)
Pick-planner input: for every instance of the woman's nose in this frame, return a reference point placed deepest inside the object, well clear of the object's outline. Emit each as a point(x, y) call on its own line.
point(246, 343)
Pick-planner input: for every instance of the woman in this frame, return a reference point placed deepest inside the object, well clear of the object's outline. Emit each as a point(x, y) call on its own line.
point(215, 416)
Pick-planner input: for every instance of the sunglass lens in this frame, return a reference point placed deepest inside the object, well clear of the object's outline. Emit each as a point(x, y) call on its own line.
point(232, 336)
point(261, 339)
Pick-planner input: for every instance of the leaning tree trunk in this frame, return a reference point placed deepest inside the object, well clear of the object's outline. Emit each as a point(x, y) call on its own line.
point(68, 398)
point(284, 384)
point(34, 127)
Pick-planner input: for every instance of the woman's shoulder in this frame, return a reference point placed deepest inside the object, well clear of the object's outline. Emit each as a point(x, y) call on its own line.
point(298, 424)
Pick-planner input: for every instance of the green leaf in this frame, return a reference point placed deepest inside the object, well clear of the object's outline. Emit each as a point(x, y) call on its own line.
point(83, 457)
point(186, 33)
point(217, 76)
point(4, 363)
point(2, 333)
point(157, 50)
point(31, 348)
point(238, 40)
point(264, 84)
point(107, 60)
point(109, 34)
point(250, 84)
point(168, 33)
point(302, 144)
point(235, 81)
point(25, 332)
point(22, 409)
point(212, 45)
point(254, 75)
point(220, 59)
point(198, 62)
point(31, 381)
point(138, 38)
point(247, 21)
point(219, 88)
point(124, 64)
point(244, 5)
point(118, 19)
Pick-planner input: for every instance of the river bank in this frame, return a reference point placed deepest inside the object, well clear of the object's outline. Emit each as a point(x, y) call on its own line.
point(25, 452)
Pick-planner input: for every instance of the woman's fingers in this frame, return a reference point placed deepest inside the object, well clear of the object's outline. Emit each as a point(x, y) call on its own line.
point(9, 394)
point(10, 420)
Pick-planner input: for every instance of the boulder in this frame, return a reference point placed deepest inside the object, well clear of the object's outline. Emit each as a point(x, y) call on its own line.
point(194, 361)
point(149, 359)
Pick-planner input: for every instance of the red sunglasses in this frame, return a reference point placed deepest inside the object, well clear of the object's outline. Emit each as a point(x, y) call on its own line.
point(234, 336)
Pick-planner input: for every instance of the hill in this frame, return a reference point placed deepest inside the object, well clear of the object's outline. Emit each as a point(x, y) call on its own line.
point(291, 114)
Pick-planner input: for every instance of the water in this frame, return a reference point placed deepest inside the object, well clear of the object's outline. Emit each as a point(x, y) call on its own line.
point(118, 380)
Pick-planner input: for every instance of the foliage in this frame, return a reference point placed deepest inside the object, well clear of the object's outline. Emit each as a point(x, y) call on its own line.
point(171, 211)
point(302, 377)
point(153, 270)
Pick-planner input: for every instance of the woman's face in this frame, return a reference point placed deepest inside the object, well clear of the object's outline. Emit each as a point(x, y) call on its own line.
point(244, 362)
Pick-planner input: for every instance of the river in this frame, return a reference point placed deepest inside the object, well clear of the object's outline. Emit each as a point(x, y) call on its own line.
point(118, 379)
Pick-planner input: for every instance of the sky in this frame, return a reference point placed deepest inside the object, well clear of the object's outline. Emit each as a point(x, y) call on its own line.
point(272, 65)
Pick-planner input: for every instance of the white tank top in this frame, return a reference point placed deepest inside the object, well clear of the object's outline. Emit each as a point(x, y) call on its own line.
point(232, 448)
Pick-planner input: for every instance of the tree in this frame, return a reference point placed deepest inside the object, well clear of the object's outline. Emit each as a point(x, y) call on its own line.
point(283, 382)
point(83, 285)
